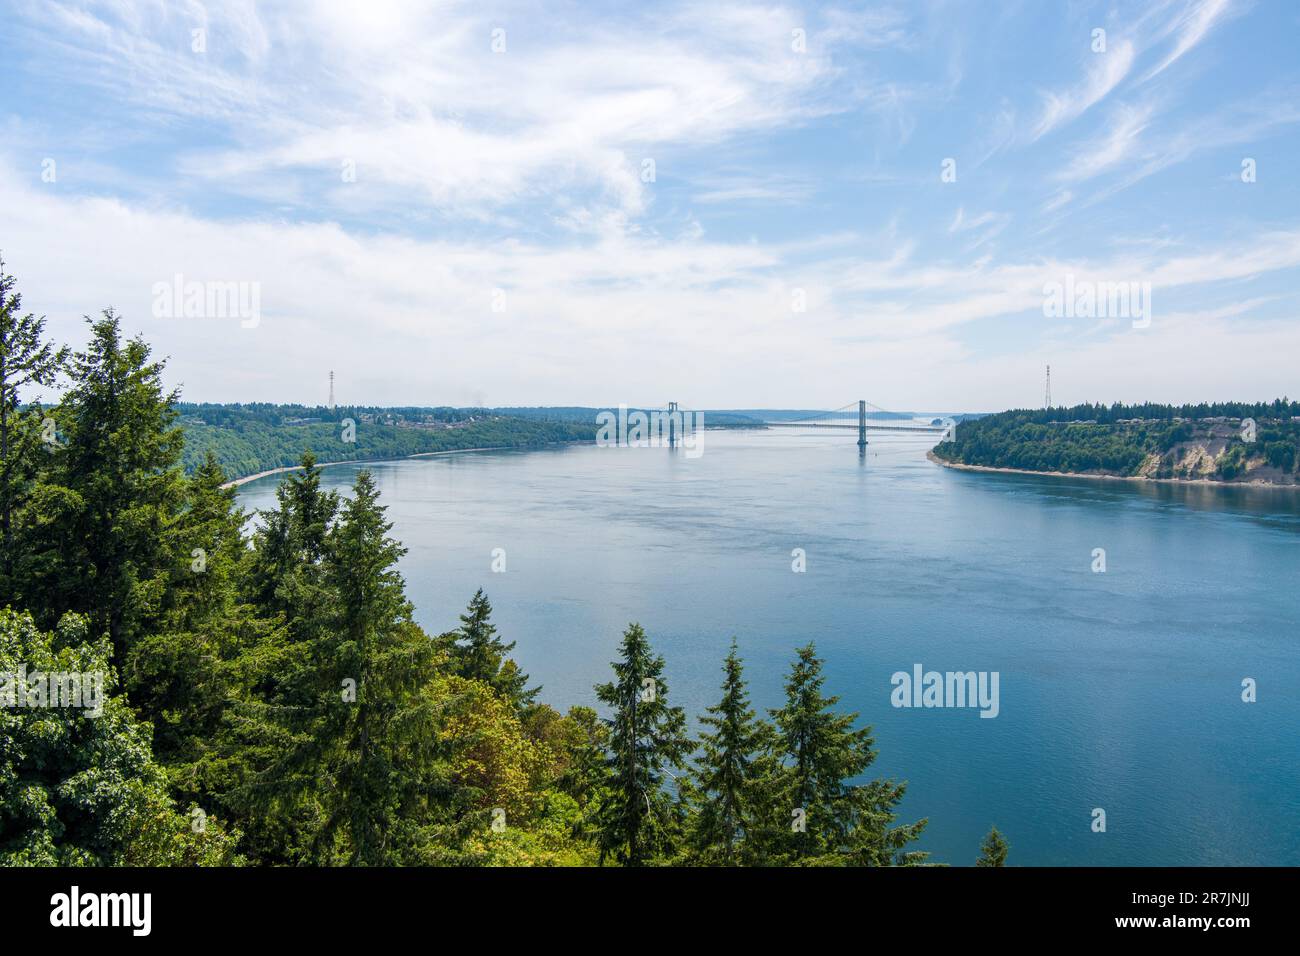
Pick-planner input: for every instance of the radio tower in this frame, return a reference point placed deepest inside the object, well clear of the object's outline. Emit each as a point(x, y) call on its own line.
point(1047, 398)
point(331, 389)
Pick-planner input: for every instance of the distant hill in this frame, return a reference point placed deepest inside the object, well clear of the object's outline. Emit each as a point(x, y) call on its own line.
point(249, 439)
point(1228, 441)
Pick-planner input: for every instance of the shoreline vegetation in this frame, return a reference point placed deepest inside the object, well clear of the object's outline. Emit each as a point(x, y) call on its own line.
point(1227, 444)
point(285, 469)
point(1095, 476)
point(262, 439)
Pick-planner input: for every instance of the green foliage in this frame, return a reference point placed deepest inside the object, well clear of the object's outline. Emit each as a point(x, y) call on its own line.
point(361, 724)
point(637, 820)
point(78, 789)
point(820, 753)
point(116, 476)
point(726, 772)
point(478, 654)
point(248, 439)
point(1119, 439)
point(993, 851)
point(25, 360)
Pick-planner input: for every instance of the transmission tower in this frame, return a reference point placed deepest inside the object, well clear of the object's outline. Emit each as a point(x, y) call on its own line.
point(331, 389)
point(1047, 398)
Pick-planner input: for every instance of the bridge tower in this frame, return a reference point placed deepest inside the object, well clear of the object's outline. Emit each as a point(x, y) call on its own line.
point(672, 435)
point(862, 423)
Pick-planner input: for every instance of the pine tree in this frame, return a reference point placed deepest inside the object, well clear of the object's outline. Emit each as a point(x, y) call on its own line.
point(481, 655)
point(821, 753)
point(289, 550)
point(365, 749)
point(119, 482)
point(311, 509)
point(24, 361)
point(993, 851)
point(209, 548)
point(182, 676)
point(637, 820)
point(725, 772)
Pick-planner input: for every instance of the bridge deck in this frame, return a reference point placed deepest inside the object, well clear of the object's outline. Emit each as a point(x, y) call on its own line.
point(920, 429)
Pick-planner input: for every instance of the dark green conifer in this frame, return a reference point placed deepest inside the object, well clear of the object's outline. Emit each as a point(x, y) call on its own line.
point(638, 820)
point(725, 770)
point(993, 851)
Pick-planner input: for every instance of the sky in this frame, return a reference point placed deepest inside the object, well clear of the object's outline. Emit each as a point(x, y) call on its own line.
point(725, 205)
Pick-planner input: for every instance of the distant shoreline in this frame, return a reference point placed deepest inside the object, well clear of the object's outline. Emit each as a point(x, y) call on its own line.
point(419, 454)
point(961, 466)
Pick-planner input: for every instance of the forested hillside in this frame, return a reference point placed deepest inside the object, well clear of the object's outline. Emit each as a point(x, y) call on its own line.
point(247, 439)
point(1221, 441)
point(215, 698)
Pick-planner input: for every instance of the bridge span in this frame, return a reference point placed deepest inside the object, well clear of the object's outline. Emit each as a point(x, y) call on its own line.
point(842, 418)
point(919, 428)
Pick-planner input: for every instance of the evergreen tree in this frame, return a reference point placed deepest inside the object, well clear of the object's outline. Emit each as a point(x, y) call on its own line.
point(290, 545)
point(208, 541)
point(366, 750)
point(118, 473)
point(287, 571)
point(183, 676)
point(993, 851)
point(481, 655)
point(725, 772)
point(821, 753)
point(637, 820)
point(25, 360)
point(311, 510)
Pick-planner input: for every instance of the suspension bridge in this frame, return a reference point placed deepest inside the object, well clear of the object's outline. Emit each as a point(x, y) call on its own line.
point(844, 417)
point(854, 415)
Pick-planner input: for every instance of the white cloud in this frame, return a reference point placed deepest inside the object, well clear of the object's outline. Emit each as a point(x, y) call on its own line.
point(618, 317)
point(417, 98)
point(1057, 201)
point(1105, 71)
point(1118, 144)
point(1193, 27)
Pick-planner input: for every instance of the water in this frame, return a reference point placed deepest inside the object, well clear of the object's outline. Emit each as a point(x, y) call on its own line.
point(1119, 690)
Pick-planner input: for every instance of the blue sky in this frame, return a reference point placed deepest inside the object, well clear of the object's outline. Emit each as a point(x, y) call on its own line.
point(726, 205)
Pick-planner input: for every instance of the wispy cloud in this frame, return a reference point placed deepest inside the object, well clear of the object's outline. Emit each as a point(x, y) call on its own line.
point(434, 103)
point(1115, 147)
point(1245, 122)
point(1104, 72)
point(1193, 26)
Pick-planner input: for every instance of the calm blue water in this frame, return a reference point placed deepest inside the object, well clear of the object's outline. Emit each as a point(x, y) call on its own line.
point(1119, 690)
